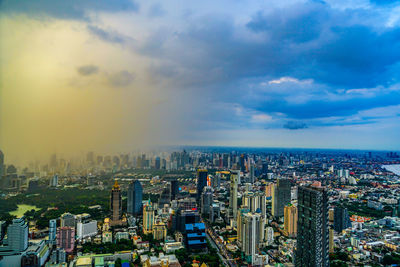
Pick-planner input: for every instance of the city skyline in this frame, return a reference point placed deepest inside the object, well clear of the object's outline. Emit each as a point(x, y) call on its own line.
point(104, 77)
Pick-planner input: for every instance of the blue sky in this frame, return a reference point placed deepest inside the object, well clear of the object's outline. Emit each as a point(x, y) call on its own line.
point(247, 73)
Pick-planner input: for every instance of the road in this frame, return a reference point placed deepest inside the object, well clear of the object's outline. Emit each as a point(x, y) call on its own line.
point(222, 252)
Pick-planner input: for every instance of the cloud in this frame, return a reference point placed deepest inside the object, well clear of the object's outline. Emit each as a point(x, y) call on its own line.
point(288, 80)
point(121, 79)
point(156, 10)
point(87, 70)
point(295, 125)
point(71, 9)
point(261, 118)
point(108, 36)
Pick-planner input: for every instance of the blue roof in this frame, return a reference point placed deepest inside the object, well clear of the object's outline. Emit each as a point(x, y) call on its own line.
point(199, 226)
point(196, 235)
point(196, 242)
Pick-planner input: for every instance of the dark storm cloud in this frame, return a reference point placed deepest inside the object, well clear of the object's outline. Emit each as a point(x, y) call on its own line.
point(121, 79)
point(295, 125)
point(337, 49)
point(71, 9)
point(87, 70)
point(106, 36)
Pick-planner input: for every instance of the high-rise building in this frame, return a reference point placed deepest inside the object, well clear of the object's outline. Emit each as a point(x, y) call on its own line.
point(251, 234)
point(66, 238)
point(252, 177)
point(174, 189)
point(281, 197)
point(165, 196)
point(233, 193)
point(135, 198)
point(17, 235)
point(341, 219)
point(331, 243)
point(201, 181)
point(116, 202)
point(54, 181)
point(148, 219)
point(290, 220)
point(68, 219)
point(206, 200)
point(52, 231)
point(312, 228)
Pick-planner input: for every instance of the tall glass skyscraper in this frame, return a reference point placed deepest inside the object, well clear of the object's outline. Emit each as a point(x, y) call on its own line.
point(135, 198)
point(201, 181)
point(312, 228)
point(281, 197)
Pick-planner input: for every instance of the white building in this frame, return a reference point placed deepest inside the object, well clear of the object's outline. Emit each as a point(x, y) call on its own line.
point(86, 229)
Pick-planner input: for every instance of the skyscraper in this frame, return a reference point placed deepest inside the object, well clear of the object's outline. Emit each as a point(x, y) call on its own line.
point(290, 219)
point(17, 235)
point(66, 238)
point(116, 202)
point(67, 219)
point(251, 234)
point(148, 219)
point(52, 231)
point(341, 219)
point(206, 200)
point(1, 165)
point(135, 198)
point(174, 189)
point(233, 193)
point(281, 197)
point(312, 228)
point(201, 181)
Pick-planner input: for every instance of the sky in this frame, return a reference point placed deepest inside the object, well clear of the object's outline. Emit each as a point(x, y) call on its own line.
point(113, 76)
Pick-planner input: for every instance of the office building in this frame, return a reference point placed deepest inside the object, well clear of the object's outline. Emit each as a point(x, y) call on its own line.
point(54, 181)
point(206, 200)
point(36, 255)
point(148, 219)
point(135, 198)
point(86, 229)
point(68, 220)
point(195, 236)
point(159, 231)
point(52, 231)
point(17, 235)
point(290, 220)
point(312, 228)
point(165, 196)
point(341, 219)
point(116, 203)
point(281, 197)
point(233, 193)
point(251, 233)
point(66, 238)
point(201, 181)
point(174, 189)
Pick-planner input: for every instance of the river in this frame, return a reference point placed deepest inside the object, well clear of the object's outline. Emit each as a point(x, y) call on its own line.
point(395, 168)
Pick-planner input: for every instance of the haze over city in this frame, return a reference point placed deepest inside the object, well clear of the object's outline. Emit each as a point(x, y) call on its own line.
point(115, 76)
